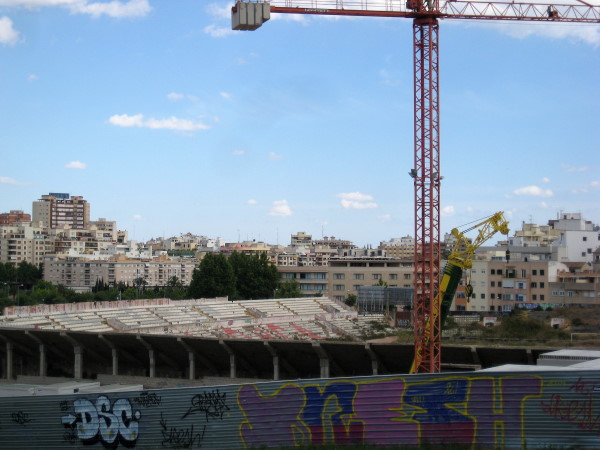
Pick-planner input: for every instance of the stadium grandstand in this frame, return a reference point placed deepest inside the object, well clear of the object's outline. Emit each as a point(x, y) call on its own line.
point(307, 318)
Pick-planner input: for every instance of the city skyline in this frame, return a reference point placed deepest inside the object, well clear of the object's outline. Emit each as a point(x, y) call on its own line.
point(168, 122)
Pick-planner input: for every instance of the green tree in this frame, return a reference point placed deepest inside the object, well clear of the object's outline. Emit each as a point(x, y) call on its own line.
point(213, 277)
point(28, 274)
point(8, 273)
point(256, 277)
point(288, 289)
point(351, 300)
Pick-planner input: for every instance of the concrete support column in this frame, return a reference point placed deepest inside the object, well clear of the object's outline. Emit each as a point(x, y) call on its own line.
point(374, 359)
point(43, 364)
point(78, 362)
point(232, 359)
point(9, 360)
point(151, 357)
point(152, 368)
point(275, 357)
point(191, 358)
point(323, 359)
point(115, 361)
point(192, 370)
point(324, 363)
point(77, 355)
point(232, 368)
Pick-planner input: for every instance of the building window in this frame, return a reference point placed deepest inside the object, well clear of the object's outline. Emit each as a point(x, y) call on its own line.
point(584, 238)
point(407, 276)
point(534, 297)
point(393, 276)
point(338, 287)
point(533, 284)
point(534, 272)
point(523, 273)
point(339, 276)
point(376, 276)
point(493, 284)
point(542, 297)
point(355, 287)
point(359, 276)
point(492, 296)
point(482, 296)
point(541, 284)
point(542, 272)
point(493, 271)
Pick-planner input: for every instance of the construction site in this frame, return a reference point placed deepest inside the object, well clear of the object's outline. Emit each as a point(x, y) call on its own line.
point(215, 373)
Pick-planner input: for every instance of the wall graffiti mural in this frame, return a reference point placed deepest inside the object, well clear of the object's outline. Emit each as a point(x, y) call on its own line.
point(480, 409)
point(101, 421)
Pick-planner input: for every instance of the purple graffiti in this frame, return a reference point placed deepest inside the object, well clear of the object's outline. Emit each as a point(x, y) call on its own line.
point(386, 422)
point(491, 411)
point(268, 420)
point(345, 431)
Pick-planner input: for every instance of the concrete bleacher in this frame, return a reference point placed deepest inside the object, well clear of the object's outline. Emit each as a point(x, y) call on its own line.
point(305, 319)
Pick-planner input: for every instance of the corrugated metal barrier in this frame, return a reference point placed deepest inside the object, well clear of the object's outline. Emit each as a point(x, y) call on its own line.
point(486, 409)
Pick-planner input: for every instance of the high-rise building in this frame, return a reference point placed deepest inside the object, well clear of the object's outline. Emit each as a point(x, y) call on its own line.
point(56, 210)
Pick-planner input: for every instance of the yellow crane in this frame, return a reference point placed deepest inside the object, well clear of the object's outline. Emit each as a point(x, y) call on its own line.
point(460, 258)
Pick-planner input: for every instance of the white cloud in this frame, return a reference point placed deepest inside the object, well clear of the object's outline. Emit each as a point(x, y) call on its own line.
point(252, 202)
point(385, 217)
point(545, 180)
point(595, 183)
point(114, 8)
point(76, 165)
point(280, 208)
point(239, 152)
point(575, 169)
point(274, 156)
point(175, 96)
point(225, 95)
point(8, 35)
point(172, 123)
point(219, 11)
point(589, 34)
point(355, 196)
point(357, 200)
point(533, 191)
point(448, 211)
point(9, 180)
point(137, 217)
point(218, 32)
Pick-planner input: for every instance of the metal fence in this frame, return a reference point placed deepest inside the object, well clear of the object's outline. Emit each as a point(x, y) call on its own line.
point(487, 409)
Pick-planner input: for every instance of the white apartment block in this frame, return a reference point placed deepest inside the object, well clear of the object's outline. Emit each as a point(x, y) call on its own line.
point(82, 274)
point(25, 242)
point(343, 276)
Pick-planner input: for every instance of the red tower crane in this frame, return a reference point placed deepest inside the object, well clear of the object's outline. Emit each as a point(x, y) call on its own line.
point(426, 172)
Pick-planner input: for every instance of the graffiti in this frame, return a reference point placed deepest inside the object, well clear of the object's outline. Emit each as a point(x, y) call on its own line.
point(577, 411)
point(212, 404)
point(389, 412)
point(20, 418)
point(64, 406)
point(179, 437)
point(345, 432)
point(148, 400)
point(103, 422)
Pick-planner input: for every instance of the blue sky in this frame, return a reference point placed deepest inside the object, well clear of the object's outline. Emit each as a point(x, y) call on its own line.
point(168, 122)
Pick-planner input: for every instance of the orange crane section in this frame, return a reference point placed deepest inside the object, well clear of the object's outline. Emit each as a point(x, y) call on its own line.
point(426, 171)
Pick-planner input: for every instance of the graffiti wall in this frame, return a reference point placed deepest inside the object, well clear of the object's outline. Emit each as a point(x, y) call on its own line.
point(546, 409)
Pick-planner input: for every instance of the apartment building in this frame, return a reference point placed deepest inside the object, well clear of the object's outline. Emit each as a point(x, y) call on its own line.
point(344, 275)
point(14, 216)
point(82, 274)
point(56, 210)
point(25, 242)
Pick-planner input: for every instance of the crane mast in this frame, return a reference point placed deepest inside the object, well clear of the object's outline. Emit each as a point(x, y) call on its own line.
point(426, 171)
